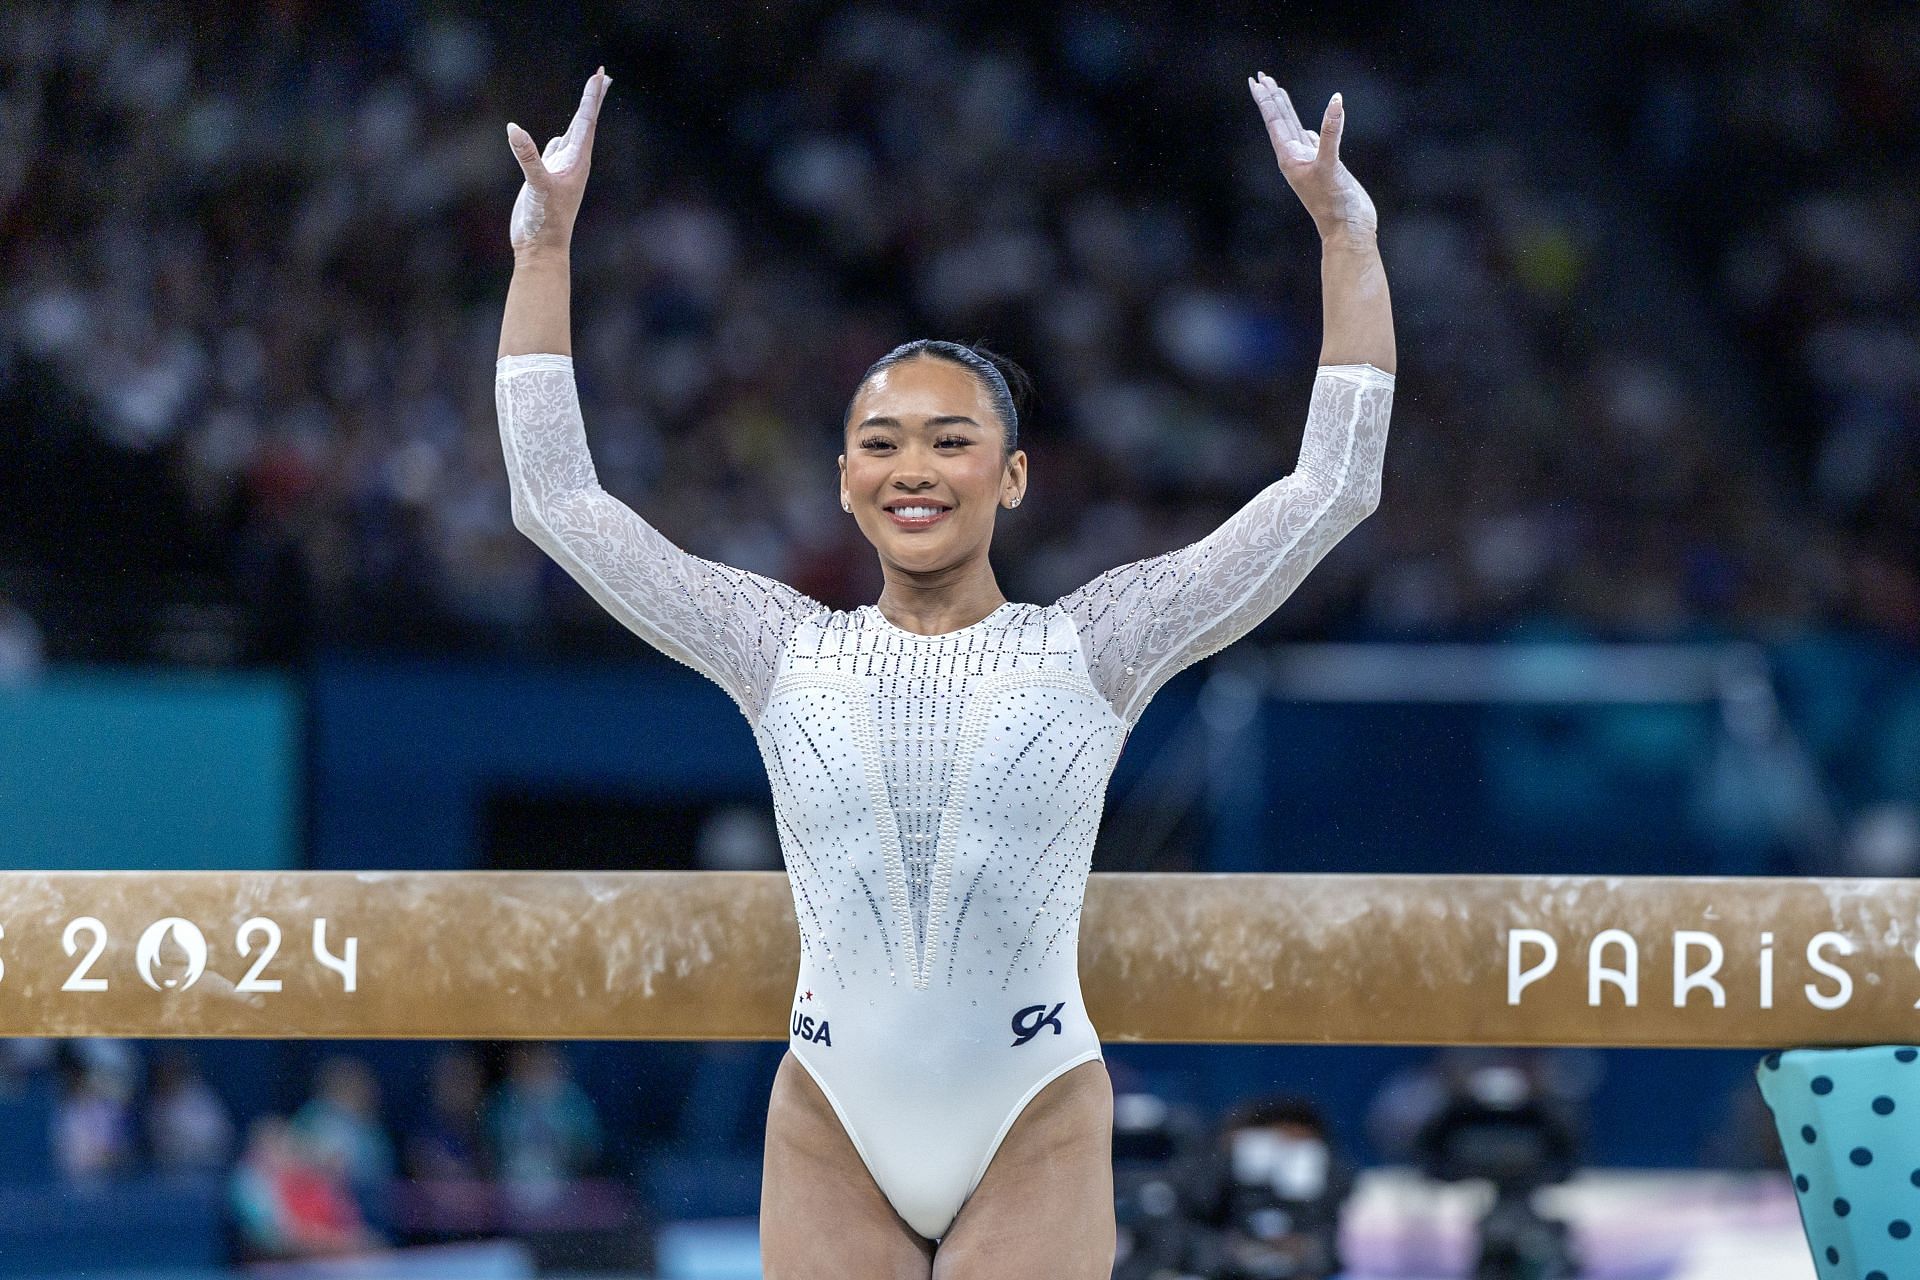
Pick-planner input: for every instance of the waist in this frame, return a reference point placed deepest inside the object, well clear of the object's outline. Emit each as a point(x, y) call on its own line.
point(933, 1029)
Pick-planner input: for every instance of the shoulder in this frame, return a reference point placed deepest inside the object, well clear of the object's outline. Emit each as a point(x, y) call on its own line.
point(1049, 617)
point(825, 629)
point(854, 619)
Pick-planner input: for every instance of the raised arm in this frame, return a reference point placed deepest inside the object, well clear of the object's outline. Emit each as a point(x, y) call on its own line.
point(1143, 622)
point(1357, 313)
point(726, 623)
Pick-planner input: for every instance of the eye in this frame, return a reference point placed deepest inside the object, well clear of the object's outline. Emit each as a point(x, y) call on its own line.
point(876, 442)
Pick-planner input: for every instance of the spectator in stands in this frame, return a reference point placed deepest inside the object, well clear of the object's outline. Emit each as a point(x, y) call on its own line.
point(543, 1127)
point(92, 1122)
point(1883, 840)
point(342, 1121)
point(448, 1142)
point(23, 1059)
point(291, 1200)
point(188, 1127)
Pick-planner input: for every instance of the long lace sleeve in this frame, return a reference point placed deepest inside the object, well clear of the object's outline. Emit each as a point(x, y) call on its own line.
point(726, 623)
point(1142, 623)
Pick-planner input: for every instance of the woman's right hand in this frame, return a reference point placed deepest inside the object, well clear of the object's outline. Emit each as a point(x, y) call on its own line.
point(556, 179)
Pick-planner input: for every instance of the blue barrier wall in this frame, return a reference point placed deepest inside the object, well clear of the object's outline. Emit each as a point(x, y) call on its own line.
point(104, 769)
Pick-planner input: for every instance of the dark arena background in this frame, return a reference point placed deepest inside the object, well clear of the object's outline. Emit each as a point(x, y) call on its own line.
point(1641, 597)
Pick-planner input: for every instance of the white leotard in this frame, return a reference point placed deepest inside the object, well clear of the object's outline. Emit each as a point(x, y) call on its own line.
point(937, 797)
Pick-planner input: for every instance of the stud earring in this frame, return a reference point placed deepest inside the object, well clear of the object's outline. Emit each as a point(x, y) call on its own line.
point(845, 505)
point(1014, 503)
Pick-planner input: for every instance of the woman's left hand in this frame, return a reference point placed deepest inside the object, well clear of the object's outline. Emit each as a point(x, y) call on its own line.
point(1311, 162)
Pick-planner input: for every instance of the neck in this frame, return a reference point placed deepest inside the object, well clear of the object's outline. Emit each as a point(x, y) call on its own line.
point(935, 609)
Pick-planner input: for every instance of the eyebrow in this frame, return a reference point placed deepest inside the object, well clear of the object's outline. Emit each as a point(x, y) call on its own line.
point(946, 420)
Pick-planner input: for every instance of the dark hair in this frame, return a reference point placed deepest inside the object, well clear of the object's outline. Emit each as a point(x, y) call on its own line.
point(1261, 1113)
point(1007, 385)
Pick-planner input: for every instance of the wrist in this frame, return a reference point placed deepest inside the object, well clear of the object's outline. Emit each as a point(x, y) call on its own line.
point(1347, 238)
point(541, 255)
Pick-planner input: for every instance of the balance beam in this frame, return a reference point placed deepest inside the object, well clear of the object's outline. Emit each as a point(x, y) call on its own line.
point(1299, 959)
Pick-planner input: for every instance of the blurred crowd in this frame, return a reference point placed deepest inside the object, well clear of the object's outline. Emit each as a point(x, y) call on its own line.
point(1783, 149)
point(1257, 1191)
point(329, 1178)
point(1659, 369)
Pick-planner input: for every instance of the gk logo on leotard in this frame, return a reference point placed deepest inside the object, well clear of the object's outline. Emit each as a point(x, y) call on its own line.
point(1034, 1019)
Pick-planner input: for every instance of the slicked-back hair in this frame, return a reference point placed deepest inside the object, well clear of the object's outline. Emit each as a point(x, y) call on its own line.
point(1006, 383)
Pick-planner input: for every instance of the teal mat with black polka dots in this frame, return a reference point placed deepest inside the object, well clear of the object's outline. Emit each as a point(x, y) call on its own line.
point(1849, 1121)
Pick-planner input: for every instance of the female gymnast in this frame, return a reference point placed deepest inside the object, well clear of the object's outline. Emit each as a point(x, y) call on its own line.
point(939, 759)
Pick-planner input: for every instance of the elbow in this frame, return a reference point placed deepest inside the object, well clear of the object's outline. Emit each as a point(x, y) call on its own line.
point(540, 534)
point(1361, 494)
point(1366, 500)
point(554, 521)
point(1347, 513)
point(523, 518)
point(528, 519)
point(1348, 502)
point(1349, 507)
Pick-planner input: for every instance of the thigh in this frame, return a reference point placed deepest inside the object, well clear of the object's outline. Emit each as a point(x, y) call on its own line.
point(1044, 1209)
point(821, 1214)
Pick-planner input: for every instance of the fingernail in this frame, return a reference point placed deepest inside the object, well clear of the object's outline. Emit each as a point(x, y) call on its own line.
point(1336, 101)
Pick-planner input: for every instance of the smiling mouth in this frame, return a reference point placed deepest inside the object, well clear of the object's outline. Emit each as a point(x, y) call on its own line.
point(918, 522)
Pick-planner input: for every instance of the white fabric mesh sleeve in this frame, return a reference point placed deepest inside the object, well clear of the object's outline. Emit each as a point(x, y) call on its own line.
point(1142, 623)
point(726, 623)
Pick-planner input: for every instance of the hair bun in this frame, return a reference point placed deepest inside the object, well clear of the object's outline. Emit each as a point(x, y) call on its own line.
point(1019, 383)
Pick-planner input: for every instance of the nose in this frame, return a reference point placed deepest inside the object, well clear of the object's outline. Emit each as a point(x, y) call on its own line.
point(912, 475)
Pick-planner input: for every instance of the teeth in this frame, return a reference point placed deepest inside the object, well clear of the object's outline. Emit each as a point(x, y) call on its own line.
point(917, 513)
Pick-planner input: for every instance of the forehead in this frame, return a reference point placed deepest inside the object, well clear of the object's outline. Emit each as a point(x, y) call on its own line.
point(923, 387)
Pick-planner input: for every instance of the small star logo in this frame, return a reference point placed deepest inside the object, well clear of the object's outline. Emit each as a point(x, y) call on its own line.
point(809, 995)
